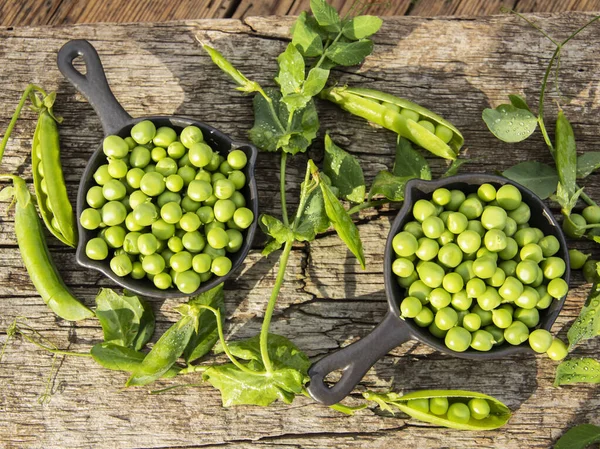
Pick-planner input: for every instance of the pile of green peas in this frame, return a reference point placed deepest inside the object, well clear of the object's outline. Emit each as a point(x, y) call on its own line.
point(167, 207)
point(455, 409)
point(476, 274)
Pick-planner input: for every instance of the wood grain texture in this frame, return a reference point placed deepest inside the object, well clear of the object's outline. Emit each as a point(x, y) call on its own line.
point(453, 66)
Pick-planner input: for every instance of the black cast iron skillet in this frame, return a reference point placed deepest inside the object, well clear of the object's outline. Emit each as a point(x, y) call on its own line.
point(115, 120)
point(356, 359)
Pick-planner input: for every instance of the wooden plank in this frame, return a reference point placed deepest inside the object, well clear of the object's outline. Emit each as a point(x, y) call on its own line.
point(453, 66)
point(557, 5)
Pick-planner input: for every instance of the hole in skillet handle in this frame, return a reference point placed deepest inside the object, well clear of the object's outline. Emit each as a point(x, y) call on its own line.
point(219, 142)
point(541, 217)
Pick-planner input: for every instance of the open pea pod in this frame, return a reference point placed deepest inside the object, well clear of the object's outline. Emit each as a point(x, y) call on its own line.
point(402, 116)
point(48, 181)
point(499, 413)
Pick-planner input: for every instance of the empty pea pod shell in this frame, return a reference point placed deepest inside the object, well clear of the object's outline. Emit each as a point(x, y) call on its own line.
point(53, 201)
point(499, 413)
point(370, 104)
point(37, 260)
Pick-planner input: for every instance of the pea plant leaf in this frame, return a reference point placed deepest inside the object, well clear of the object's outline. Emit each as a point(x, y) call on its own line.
point(119, 316)
point(7, 193)
point(305, 36)
point(291, 70)
point(345, 172)
point(267, 133)
point(326, 15)
point(540, 178)
point(566, 201)
point(204, 339)
point(455, 167)
point(239, 387)
point(587, 324)
point(342, 223)
point(361, 26)
point(580, 370)
point(349, 53)
point(587, 163)
point(579, 437)
point(409, 162)
point(275, 229)
point(566, 156)
point(509, 123)
point(146, 328)
point(119, 358)
point(314, 219)
point(518, 102)
point(315, 81)
point(389, 185)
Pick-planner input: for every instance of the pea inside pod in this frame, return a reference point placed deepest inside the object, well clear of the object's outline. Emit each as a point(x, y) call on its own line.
point(498, 415)
point(408, 119)
point(50, 189)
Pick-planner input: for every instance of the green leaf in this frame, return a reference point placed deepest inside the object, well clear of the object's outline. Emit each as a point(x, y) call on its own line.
point(389, 185)
point(349, 53)
point(314, 218)
point(245, 85)
point(454, 167)
point(275, 228)
point(203, 340)
point(315, 81)
point(119, 358)
point(579, 437)
point(119, 316)
point(295, 102)
point(7, 193)
point(342, 223)
point(239, 387)
point(566, 201)
point(566, 154)
point(242, 388)
point(587, 324)
point(270, 247)
point(518, 102)
point(361, 26)
point(305, 37)
point(540, 178)
point(409, 162)
point(147, 324)
point(345, 172)
point(498, 417)
point(326, 15)
point(583, 370)
point(509, 123)
point(267, 133)
point(164, 353)
point(291, 70)
point(587, 163)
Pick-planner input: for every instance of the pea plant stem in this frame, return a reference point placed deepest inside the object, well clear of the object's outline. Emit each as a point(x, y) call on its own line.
point(283, 261)
point(366, 205)
point(284, 212)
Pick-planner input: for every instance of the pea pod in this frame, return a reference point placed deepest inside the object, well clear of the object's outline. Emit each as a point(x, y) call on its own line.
point(498, 416)
point(50, 190)
point(566, 154)
point(404, 117)
point(37, 260)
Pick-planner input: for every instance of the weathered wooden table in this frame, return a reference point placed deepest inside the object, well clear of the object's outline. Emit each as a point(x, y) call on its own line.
point(454, 66)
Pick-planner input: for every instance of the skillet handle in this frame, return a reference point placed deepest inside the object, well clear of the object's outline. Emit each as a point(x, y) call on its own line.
point(355, 360)
point(93, 85)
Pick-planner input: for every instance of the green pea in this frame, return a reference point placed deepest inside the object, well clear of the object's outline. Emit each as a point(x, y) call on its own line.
point(162, 281)
point(577, 259)
point(115, 146)
point(486, 192)
point(114, 236)
point(188, 282)
point(427, 125)
point(439, 298)
point(521, 214)
point(137, 271)
point(495, 240)
point(191, 135)
point(530, 317)
point(508, 197)
point(436, 331)
point(164, 136)
point(590, 271)
point(441, 196)
point(424, 318)
point(438, 406)
point(199, 190)
point(482, 340)
point(113, 213)
point(405, 244)
point(145, 214)
point(446, 318)
point(516, 333)
point(175, 244)
point(469, 241)
point(410, 307)
point(510, 250)
point(572, 226)
point(162, 230)
point(459, 413)
point(545, 298)
point(479, 408)
point(444, 133)
point(210, 201)
point(90, 219)
point(431, 274)
point(117, 168)
point(591, 214)
point(121, 265)
point(427, 249)
point(497, 334)
point(489, 300)
point(458, 339)
point(533, 252)
point(143, 132)
point(157, 154)
point(96, 249)
point(557, 288)
point(181, 261)
point(176, 150)
point(419, 290)
point(403, 267)
point(471, 208)
point(475, 288)
point(433, 227)
point(540, 340)
point(510, 228)
point(511, 289)
point(471, 322)
point(502, 318)
point(527, 271)
point(200, 154)
point(236, 240)
point(140, 157)
point(153, 264)
point(484, 267)
point(423, 209)
point(558, 350)
point(101, 175)
point(528, 299)
point(457, 222)
point(421, 405)
point(453, 282)
point(450, 255)
point(509, 267)
point(201, 263)
point(221, 265)
point(213, 224)
point(147, 244)
point(553, 267)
